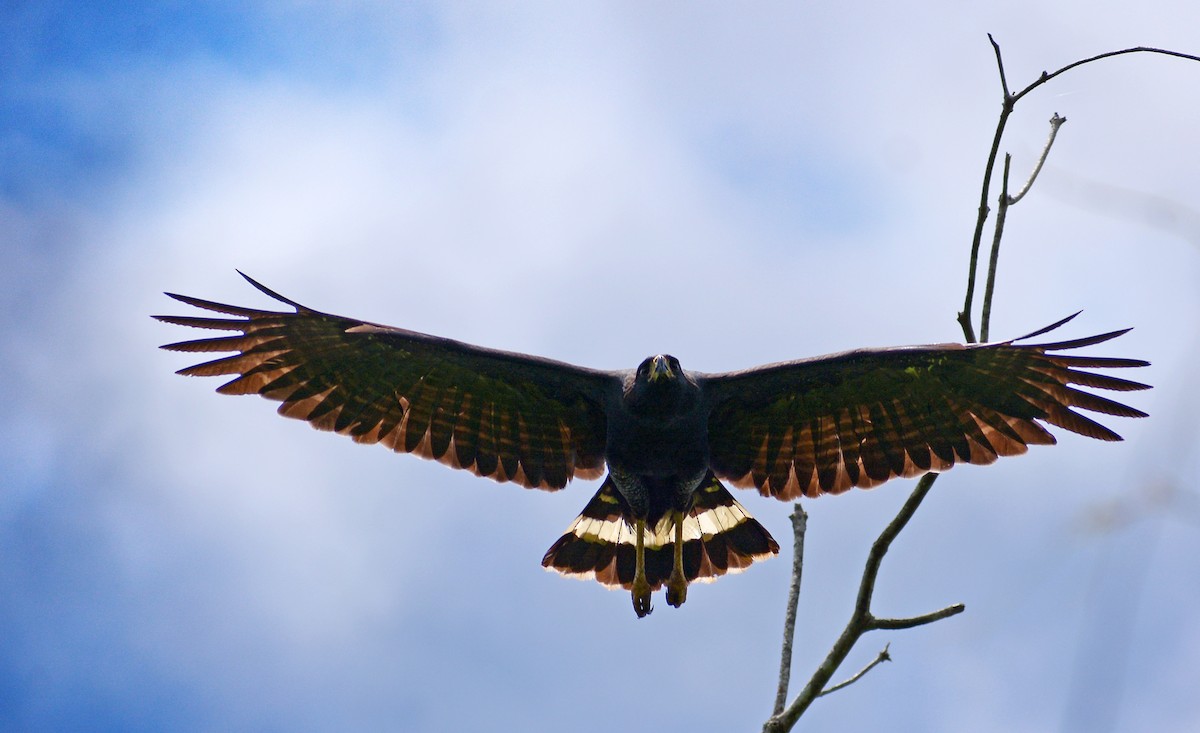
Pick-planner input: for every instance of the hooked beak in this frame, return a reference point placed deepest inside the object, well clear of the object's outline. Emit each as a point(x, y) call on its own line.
point(660, 367)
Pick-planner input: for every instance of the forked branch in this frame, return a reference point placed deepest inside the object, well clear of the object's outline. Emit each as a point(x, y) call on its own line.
point(880, 658)
point(1009, 101)
point(862, 620)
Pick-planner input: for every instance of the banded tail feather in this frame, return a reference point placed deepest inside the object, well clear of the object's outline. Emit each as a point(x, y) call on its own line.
point(719, 537)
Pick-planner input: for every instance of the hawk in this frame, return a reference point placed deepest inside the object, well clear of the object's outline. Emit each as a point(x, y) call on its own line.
point(664, 438)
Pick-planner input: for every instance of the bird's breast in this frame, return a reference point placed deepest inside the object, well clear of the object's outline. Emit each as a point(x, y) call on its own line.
point(659, 447)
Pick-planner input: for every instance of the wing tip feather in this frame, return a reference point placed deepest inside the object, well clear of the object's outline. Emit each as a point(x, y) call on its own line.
point(271, 293)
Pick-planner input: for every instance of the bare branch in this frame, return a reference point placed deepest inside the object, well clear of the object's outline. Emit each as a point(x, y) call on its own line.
point(862, 606)
point(799, 526)
point(861, 621)
point(1055, 123)
point(985, 318)
point(1009, 102)
point(914, 621)
point(1006, 201)
point(964, 316)
point(1045, 77)
point(999, 65)
point(883, 656)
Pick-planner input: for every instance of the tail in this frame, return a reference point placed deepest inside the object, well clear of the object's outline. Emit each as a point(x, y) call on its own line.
point(719, 536)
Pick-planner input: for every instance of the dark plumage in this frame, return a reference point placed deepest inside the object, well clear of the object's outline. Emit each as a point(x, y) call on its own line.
point(667, 436)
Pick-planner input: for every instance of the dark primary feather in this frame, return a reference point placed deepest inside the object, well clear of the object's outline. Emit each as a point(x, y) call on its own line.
point(859, 418)
point(503, 415)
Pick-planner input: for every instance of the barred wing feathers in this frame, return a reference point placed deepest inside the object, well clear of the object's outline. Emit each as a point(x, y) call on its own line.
point(859, 418)
point(503, 415)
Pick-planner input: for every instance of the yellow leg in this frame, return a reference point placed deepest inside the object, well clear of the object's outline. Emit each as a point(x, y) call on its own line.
point(641, 588)
point(677, 584)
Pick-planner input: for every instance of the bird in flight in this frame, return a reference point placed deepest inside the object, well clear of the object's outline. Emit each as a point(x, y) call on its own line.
point(664, 438)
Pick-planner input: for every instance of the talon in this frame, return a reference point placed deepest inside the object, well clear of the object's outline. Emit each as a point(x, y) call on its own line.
point(641, 599)
point(676, 591)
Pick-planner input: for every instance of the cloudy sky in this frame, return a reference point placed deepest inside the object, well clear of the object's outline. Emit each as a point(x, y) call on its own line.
point(594, 183)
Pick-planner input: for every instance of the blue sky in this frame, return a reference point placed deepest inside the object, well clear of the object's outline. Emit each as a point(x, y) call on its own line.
point(778, 182)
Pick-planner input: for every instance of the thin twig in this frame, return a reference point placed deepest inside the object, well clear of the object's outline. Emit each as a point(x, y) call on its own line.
point(799, 526)
point(883, 656)
point(985, 319)
point(1055, 123)
point(1006, 108)
point(1045, 77)
point(999, 66)
point(914, 621)
point(862, 605)
point(1006, 201)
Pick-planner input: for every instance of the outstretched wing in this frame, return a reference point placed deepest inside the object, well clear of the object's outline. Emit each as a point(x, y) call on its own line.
point(859, 418)
point(503, 415)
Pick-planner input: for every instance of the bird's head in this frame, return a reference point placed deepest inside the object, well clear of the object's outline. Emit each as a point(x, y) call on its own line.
point(658, 368)
point(660, 386)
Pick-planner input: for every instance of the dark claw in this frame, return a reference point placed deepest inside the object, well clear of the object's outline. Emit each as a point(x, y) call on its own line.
point(676, 593)
point(641, 603)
